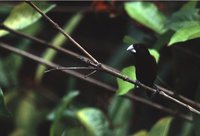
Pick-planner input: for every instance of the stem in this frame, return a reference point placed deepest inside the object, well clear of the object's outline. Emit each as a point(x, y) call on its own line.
point(62, 31)
point(109, 70)
point(93, 62)
point(94, 81)
point(70, 68)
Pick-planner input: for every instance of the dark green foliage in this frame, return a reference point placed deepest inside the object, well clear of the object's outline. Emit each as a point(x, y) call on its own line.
point(39, 103)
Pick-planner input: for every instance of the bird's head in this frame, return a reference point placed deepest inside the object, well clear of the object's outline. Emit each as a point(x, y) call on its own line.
point(138, 49)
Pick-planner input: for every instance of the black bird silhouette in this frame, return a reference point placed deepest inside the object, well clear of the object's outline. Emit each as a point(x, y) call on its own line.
point(145, 63)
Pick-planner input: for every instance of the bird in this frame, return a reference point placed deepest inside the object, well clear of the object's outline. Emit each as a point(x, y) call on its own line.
point(145, 64)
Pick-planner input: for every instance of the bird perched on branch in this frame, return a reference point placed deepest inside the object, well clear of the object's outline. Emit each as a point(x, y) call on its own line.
point(145, 63)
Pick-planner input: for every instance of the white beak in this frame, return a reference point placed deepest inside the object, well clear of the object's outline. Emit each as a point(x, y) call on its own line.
point(131, 48)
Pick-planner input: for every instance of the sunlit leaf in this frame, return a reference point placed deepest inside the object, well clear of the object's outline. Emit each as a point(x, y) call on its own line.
point(3, 109)
point(123, 86)
point(23, 15)
point(191, 31)
point(94, 121)
point(147, 14)
point(58, 41)
point(161, 128)
point(155, 54)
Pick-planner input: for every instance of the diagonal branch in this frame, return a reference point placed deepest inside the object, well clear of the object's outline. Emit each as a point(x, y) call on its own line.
point(110, 71)
point(86, 60)
point(63, 32)
point(95, 82)
point(70, 68)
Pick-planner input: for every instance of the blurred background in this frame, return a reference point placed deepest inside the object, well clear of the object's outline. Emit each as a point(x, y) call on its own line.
point(35, 103)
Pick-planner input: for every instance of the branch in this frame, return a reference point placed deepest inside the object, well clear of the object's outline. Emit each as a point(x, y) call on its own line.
point(105, 68)
point(110, 71)
point(63, 32)
point(95, 82)
point(70, 68)
point(181, 97)
point(86, 60)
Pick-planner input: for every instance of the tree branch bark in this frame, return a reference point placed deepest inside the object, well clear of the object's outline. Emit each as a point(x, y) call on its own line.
point(86, 60)
point(95, 82)
point(103, 68)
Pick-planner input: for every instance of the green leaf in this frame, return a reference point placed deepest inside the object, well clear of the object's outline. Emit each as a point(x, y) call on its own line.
point(185, 15)
point(185, 23)
point(129, 40)
point(147, 14)
point(141, 133)
point(74, 132)
point(189, 5)
point(182, 18)
point(191, 31)
point(94, 121)
point(123, 86)
point(161, 128)
point(175, 26)
point(57, 128)
point(3, 109)
point(155, 54)
point(58, 41)
point(66, 100)
point(23, 15)
point(120, 112)
point(8, 74)
point(27, 115)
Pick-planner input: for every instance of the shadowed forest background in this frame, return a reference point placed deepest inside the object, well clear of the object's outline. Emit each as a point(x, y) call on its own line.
point(37, 103)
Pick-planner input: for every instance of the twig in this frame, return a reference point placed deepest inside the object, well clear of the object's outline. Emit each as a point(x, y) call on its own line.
point(91, 73)
point(95, 82)
point(70, 68)
point(110, 71)
point(42, 42)
point(63, 32)
point(104, 68)
point(82, 58)
point(179, 102)
point(178, 96)
point(161, 92)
